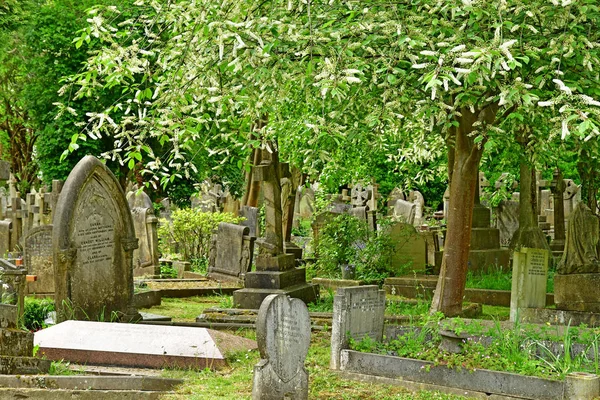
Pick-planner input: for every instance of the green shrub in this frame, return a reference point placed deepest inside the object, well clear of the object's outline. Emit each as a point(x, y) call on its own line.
point(167, 271)
point(347, 240)
point(190, 232)
point(35, 312)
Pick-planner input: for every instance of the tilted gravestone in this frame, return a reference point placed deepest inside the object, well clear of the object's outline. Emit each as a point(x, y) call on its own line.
point(357, 312)
point(37, 259)
point(251, 219)
point(283, 336)
point(410, 249)
point(93, 242)
point(233, 248)
point(405, 211)
point(529, 277)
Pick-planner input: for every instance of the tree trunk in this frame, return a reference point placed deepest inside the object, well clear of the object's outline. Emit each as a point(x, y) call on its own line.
point(464, 174)
point(529, 234)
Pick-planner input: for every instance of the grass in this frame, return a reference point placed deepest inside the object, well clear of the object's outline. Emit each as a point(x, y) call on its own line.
point(235, 381)
point(499, 279)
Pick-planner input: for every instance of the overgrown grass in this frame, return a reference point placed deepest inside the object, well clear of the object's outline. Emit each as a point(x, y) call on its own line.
point(499, 279)
point(235, 380)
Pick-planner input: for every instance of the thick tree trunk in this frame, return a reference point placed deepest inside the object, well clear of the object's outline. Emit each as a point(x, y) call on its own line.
point(464, 174)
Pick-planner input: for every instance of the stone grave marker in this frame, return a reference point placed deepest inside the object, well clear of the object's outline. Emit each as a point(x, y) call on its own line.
point(405, 211)
point(233, 249)
point(16, 346)
point(360, 195)
point(93, 242)
point(283, 336)
point(529, 274)
point(251, 219)
point(135, 345)
point(145, 257)
point(410, 248)
point(37, 259)
point(357, 312)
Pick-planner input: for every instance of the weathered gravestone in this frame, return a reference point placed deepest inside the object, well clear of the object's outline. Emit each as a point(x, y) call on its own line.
point(37, 259)
point(283, 336)
point(405, 211)
point(12, 284)
point(145, 257)
point(251, 219)
point(578, 274)
point(93, 242)
point(529, 277)
point(136, 345)
point(357, 312)
point(16, 346)
point(410, 249)
point(233, 247)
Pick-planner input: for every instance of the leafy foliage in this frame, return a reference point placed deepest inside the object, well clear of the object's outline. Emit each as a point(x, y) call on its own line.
point(190, 232)
point(35, 312)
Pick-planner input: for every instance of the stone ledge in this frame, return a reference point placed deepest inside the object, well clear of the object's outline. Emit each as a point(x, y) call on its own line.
point(485, 381)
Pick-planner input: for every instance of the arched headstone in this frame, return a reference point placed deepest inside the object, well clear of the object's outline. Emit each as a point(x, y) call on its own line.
point(93, 242)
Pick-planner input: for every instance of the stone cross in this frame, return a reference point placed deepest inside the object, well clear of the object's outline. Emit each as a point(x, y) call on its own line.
point(269, 172)
point(360, 195)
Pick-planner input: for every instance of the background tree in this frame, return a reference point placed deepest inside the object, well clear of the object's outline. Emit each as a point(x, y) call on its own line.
point(331, 75)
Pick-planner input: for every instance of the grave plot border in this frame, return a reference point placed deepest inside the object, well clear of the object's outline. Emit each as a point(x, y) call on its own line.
point(375, 366)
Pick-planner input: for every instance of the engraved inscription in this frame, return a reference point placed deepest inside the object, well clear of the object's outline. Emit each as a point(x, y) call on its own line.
point(536, 263)
point(96, 243)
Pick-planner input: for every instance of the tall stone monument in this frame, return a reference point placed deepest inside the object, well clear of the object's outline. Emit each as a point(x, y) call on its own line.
point(275, 270)
point(283, 336)
point(93, 242)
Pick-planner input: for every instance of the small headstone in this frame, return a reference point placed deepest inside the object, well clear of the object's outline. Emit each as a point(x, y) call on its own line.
point(251, 219)
point(357, 312)
point(359, 213)
point(306, 206)
point(405, 211)
point(395, 194)
point(234, 249)
point(283, 336)
point(37, 259)
point(93, 243)
point(529, 277)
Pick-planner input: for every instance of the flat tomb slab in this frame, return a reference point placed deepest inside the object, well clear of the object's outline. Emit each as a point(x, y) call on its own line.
point(131, 345)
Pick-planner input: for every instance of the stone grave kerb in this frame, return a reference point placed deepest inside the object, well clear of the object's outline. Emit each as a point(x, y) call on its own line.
point(283, 337)
point(91, 175)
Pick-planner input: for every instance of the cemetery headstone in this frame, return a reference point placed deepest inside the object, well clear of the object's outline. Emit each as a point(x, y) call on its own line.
point(410, 251)
point(357, 312)
point(529, 277)
point(283, 336)
point(12, 284)
point(234, 248)
point(145, 257)
point(251, 219)
point(405, 211)
point(37, 259)
point(507, 220)
point(93, 242)
point(395, 194)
